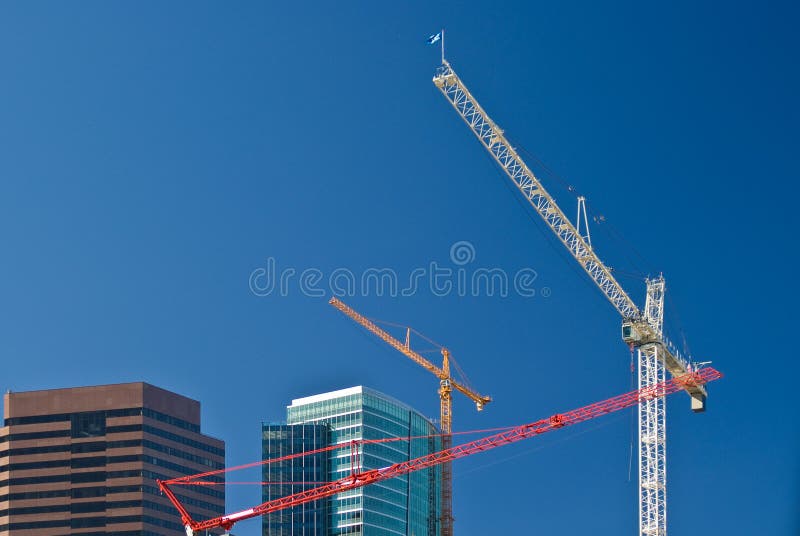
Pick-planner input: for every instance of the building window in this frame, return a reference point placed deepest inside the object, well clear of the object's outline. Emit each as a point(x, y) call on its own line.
point(81, 478)
point(86, 507)
point(89, 424)
point(94, 461)
point(82, 493)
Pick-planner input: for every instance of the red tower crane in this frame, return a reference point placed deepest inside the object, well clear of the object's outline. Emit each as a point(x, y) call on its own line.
point(689, 381)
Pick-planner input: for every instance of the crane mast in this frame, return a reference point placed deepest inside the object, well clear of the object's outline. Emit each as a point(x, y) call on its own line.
point(642, 330)
point(446, 385)
point(652, 422)
point(358, 480)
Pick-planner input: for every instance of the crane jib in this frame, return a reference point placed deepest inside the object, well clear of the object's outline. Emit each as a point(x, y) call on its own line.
point(494, 141)
point(518, 433)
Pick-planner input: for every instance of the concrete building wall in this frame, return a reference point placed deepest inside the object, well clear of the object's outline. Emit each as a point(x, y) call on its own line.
point(85, 460)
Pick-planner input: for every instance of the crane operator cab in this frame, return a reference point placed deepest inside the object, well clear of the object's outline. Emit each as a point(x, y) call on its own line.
point(630, 334)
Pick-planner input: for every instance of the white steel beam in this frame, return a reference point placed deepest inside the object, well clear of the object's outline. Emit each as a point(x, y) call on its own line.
point(493, 140)
point(652, 423)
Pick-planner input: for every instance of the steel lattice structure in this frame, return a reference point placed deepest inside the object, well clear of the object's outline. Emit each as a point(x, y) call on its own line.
point(642, 330)
point(492, 138)
point(652, 423)
point(357, 480)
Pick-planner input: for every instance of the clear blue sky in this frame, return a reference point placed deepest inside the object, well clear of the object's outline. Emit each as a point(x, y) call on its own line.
point(153, 155)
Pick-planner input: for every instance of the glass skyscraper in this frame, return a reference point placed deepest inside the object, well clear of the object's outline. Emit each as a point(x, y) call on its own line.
point(406, 505)
point(294, 475)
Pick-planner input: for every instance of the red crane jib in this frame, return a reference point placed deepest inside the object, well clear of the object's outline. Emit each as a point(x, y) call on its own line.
point(519, 433)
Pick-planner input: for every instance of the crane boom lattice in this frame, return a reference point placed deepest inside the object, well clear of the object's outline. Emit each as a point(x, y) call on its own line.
point(446, 385)
point(492, 138)
point(642, 330)
point(357, 480)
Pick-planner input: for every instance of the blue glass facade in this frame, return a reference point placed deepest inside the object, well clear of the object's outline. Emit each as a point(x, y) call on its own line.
point(407, 505)
point(293, 476)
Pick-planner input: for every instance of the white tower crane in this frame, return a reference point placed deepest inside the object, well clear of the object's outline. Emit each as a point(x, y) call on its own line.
point(640, 329)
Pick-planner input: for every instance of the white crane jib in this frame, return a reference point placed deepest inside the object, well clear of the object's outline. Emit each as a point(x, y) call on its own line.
point(638, 329)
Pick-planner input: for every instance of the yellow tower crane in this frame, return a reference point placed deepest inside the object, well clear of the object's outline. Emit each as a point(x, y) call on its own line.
point(446, 385)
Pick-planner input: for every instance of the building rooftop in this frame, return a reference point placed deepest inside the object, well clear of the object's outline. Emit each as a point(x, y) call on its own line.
point(357, 390)
point(94, 397)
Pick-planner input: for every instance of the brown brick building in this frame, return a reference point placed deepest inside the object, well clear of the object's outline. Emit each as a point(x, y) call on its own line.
point(85, 460)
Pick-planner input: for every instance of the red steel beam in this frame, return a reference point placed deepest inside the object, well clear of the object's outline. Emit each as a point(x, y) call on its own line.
point(519, 433)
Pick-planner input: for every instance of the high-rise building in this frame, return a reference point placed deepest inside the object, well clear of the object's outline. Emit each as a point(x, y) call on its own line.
point(408, 505)
point(294, 475)
point(84, 461)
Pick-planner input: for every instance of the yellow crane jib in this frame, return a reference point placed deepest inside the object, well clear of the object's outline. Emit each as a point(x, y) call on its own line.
point(446, 386)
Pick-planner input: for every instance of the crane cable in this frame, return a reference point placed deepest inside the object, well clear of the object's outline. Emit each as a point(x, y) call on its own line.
point(551, 241)
point(191, 480)
point(437, 347)
point(633, 414)
point(608, 228)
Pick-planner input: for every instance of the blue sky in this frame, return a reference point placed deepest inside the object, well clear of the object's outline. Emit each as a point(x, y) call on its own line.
point(152, 156)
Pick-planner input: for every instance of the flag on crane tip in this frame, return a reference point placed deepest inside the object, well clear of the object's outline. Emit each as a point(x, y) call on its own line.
point(434, 38)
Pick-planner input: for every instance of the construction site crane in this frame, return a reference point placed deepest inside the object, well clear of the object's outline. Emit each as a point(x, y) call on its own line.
point(446, 385)
point(358, 480)
point(641, 329)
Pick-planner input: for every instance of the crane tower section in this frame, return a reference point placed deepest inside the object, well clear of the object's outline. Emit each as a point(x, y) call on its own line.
point(652, 422)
